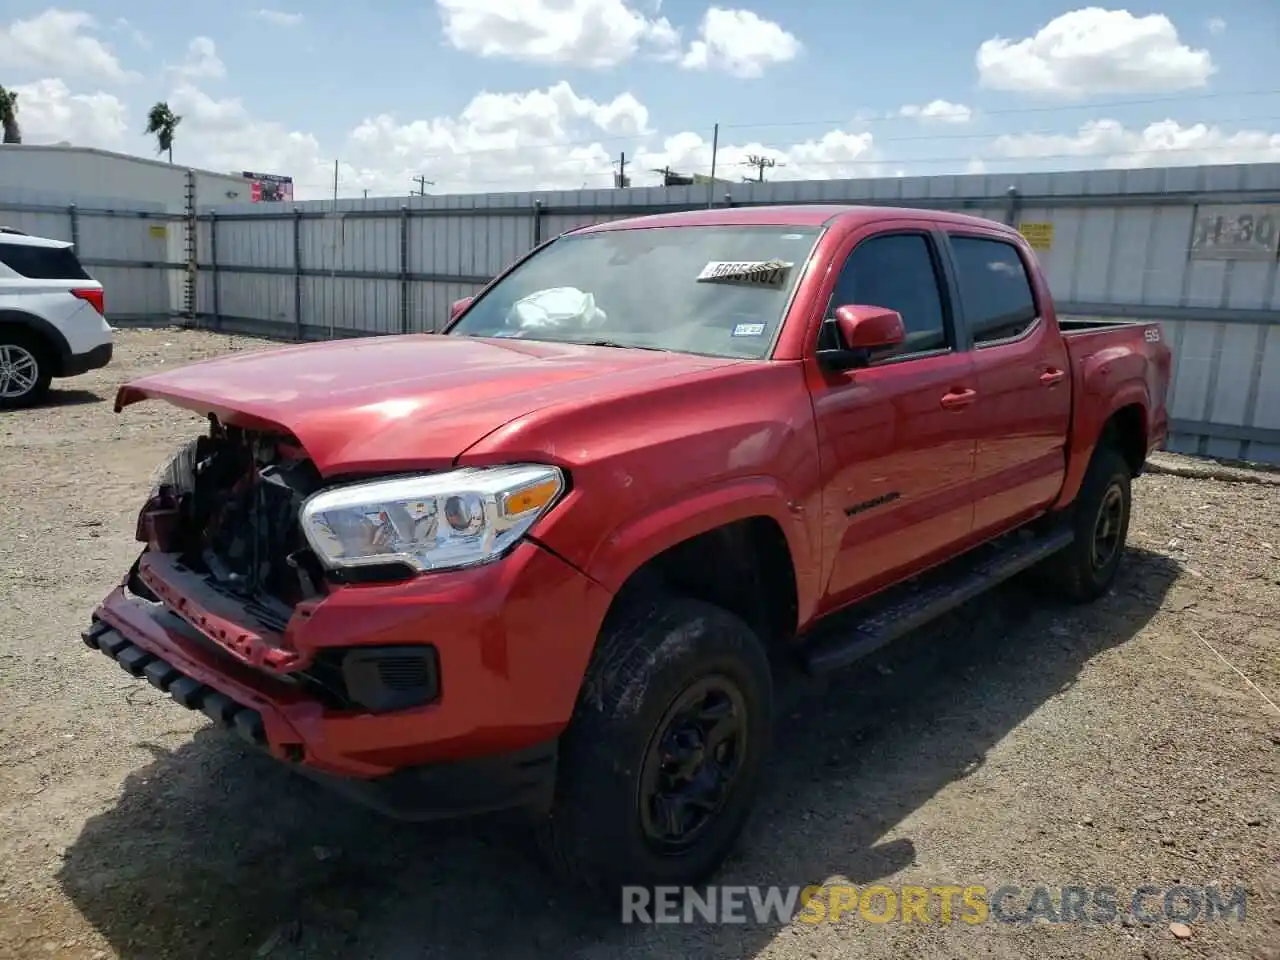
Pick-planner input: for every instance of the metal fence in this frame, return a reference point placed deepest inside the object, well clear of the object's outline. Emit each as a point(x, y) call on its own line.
point(1164, 244)
point(135, 250)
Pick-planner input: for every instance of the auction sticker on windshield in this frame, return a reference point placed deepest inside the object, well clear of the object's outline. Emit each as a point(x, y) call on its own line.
point(764, 273)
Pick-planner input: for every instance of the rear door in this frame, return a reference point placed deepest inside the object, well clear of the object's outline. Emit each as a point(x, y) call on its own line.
point(897, 436)
point(1023, 380)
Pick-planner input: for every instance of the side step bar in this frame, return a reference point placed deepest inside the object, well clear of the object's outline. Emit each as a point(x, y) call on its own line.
point(167, 678)
point(909, 606)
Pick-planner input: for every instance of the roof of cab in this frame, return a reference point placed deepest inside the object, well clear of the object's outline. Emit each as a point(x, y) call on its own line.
point(780, 215)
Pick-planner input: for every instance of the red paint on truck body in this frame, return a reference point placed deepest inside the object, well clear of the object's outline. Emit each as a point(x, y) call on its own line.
point(955, 448)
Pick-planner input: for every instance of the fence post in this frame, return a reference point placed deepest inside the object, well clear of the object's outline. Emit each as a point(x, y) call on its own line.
point(537, 222)
point(74, 217)
point(404, 269)
point(1015, 206)
point(213, 269)
point(297, 275)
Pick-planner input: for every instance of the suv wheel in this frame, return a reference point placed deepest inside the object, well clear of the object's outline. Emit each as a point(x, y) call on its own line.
point(661, 763)
point(24, 369)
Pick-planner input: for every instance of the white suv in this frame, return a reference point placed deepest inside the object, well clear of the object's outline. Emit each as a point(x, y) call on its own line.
point(51, 317)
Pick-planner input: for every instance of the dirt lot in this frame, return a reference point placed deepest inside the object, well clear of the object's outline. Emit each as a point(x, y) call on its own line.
point(1018, 742)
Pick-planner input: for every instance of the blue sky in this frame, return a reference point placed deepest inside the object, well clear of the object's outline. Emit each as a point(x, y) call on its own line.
point(826, 89)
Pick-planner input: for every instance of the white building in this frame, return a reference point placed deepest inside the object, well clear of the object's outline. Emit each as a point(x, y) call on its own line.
point(69, 171)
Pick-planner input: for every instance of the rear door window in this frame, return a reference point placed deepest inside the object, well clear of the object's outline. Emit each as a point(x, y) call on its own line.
point(42, 263)
point(994, 288)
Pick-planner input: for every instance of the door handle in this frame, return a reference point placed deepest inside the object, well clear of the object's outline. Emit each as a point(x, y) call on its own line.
point(1052, 377)
point(958, 398)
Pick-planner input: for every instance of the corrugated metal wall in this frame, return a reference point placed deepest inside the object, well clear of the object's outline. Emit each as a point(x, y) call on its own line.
point(127, 247)
point(1119, 247)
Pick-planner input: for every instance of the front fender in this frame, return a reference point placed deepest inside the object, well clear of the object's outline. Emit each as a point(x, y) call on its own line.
point(630, 546)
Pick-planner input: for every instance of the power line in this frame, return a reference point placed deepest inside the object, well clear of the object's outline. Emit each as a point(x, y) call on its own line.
point(856, 121)
point(973, 158)
point(1013, 111)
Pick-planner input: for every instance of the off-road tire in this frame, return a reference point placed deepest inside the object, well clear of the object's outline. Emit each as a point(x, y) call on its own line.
point(1073, 573)
point(19, 337)
point(646, 657)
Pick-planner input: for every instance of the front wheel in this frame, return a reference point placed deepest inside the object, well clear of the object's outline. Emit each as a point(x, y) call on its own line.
point(661, 764)
point(1086, 569)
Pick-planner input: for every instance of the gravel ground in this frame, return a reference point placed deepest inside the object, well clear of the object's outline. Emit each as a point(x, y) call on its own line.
point(1015, 742)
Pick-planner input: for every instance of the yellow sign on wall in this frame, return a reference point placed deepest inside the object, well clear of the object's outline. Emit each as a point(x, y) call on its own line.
point(159, 231)
point(1039, 235)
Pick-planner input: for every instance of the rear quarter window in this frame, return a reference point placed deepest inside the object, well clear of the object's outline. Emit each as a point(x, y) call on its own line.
point(994, 288)
point(42, 263)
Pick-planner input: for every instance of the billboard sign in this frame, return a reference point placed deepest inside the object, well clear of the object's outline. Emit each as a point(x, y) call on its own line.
point(269, 187)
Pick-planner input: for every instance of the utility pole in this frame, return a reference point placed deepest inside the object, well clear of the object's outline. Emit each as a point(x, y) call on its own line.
point(715, 147)
point(422, 183)
point(761, 164)
point(335, 179)
point(621, 179)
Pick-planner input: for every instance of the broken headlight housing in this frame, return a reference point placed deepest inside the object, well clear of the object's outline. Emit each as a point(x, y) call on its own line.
point(436, 521)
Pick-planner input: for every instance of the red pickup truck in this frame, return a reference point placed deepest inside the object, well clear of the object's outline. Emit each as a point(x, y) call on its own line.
point(555, 557)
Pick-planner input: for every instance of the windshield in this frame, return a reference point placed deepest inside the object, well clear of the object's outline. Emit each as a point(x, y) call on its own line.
point(719, 291)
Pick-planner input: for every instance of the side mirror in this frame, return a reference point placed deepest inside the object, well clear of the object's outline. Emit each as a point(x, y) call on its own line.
point(869, 328)
point(459, 306)
point(859, 330)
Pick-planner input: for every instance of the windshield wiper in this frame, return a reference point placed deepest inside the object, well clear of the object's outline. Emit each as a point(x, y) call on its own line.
point(615, 343)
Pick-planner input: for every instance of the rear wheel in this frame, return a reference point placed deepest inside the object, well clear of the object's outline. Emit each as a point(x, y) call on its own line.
point(661, 763)
point(25, 370)
point(1086, 569)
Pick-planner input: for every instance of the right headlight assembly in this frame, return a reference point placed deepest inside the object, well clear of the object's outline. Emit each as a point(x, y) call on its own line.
point(439, 521)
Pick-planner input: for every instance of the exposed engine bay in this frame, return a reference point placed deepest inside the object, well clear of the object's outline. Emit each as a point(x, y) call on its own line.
point(227, 506)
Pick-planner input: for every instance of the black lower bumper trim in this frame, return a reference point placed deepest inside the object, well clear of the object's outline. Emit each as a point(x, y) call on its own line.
point(74, 364)
point(524, 780)
point(186, 691)
point(511, 781)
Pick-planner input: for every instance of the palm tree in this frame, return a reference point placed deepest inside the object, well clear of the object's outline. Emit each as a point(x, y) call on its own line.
point(9, 116)
point(163, 122)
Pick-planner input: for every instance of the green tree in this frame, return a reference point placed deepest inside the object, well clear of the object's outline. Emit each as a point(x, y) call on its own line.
point(9, 116)
point(163, 124)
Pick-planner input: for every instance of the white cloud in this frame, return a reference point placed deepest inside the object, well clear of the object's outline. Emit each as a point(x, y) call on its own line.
point(740, 43)
point(1092, 50)
point(1216, 25)
point(201, 62)
point(279, 18)
point(1162, 144)
point(939, 111)
point(552, 138)
point(137, 36)
point(50, 113)
point(59, 42)
point(587, 33)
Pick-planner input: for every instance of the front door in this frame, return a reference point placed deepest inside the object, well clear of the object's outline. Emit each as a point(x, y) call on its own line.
point(897, 436)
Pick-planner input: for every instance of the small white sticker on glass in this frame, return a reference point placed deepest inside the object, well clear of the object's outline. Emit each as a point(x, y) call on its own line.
point(749, 330)
point(762, 273)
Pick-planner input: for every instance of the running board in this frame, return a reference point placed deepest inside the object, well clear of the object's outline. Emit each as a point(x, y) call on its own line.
point(899, 610)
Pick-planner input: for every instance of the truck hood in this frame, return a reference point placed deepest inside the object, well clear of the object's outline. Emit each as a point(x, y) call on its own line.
point(382, 404)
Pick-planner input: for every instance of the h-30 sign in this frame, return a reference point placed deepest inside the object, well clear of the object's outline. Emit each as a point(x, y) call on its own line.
point(1236, 232)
